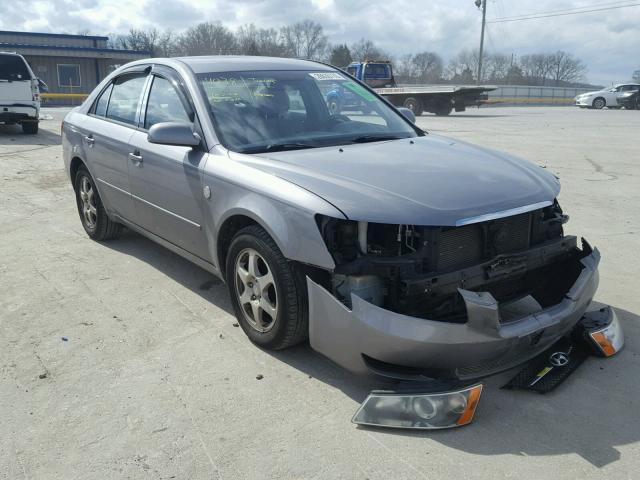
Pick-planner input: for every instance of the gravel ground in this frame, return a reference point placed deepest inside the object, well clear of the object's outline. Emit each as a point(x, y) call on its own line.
point(121, 360)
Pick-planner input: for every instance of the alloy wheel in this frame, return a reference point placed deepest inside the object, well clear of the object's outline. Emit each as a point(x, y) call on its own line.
point(256, 290)
point(88, 199)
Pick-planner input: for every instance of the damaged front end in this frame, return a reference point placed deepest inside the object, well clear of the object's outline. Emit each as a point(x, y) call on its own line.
point(417, 303)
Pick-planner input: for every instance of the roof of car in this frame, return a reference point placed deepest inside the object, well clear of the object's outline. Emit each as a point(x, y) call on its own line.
point(227, 63)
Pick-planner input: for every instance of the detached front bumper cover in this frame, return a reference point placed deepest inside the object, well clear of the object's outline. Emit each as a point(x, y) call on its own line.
point(426, 411)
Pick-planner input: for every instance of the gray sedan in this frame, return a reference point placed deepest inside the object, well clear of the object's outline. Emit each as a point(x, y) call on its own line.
point(398, 253)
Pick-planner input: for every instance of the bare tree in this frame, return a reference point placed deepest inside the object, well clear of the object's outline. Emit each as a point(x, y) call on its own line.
point(636, 76)
point(304, 39)
point(463, 67)
point(536, 67)
point(497, 67)
point(566, 68)
point(259, 41)
point(429, 66)
point(158, 43)
point(404, 69)
point(366, 50)
point(207, 38)
point(424, 67)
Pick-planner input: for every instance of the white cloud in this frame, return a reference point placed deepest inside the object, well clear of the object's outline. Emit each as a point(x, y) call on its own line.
point(607, 41)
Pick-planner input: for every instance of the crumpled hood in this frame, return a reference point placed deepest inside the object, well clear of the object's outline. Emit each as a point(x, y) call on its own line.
point(431, 181)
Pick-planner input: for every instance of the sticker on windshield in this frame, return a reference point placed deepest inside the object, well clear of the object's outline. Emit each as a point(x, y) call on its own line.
point(359, 90)
point(326, 76)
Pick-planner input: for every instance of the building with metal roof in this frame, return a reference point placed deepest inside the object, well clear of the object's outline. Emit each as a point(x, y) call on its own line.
point(71, 65)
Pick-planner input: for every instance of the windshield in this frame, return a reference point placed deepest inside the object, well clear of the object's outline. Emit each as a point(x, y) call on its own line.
point(260, 111)
point(13, 68)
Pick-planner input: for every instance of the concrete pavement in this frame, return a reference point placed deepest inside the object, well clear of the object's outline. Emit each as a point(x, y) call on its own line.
point(121, 360)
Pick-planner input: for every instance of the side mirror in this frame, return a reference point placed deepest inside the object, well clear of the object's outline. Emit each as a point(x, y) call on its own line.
point(173, 133)
point(408, 114)
point(43, 87)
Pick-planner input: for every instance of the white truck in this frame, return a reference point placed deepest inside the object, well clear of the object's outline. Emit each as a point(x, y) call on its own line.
point(19, 93)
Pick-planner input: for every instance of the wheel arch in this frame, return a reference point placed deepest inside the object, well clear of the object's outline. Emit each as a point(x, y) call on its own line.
point(294, 231)
point(227, 231)
point(74, 166)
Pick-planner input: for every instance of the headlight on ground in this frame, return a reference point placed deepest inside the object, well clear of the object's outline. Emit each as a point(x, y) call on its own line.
point(609, 339)
point(422, 411)
point(601, 330)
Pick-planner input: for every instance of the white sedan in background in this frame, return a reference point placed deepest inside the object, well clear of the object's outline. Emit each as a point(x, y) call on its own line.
point(606, 97)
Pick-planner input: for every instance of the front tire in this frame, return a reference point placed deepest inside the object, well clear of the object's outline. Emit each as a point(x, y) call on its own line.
point(93, 216)
point(599, 103)
point(268, 295)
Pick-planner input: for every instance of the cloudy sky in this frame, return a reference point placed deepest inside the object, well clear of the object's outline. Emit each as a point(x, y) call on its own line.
point(608, 41)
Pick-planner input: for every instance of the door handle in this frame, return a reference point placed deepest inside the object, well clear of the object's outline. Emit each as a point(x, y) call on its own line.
point(90, 140)
point(136, 158)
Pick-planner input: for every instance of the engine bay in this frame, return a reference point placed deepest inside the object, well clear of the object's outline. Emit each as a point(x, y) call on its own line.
point(417, 270)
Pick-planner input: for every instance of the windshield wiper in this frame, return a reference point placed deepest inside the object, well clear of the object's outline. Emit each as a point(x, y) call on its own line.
point(374, 138)
point(277, 147)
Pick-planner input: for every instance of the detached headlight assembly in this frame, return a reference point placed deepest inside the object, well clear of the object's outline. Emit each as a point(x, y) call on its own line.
point(601, 330)
point(421, 411)
point(609, 339)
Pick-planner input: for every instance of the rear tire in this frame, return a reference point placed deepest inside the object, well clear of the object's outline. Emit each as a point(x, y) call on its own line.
point(268, 294)
point(443, 108)
point(30, 128)
point(599, 103)
point(93, 216)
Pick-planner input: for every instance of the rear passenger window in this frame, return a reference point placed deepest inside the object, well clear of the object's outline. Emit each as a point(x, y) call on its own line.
point(12, 67)
point(103, 101)
point(164, 104)
point(125, 98)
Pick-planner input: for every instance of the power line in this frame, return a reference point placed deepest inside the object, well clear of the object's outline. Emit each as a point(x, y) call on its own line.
point(558, 14)
point(566, 10)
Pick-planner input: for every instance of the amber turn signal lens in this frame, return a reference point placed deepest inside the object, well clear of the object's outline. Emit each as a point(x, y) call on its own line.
point(604, 343)
point(610, 339)
point(472, 403)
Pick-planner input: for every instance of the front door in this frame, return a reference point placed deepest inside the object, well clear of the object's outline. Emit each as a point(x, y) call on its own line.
point(166, 180)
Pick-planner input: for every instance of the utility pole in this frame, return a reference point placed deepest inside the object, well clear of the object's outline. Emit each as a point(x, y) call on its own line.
point(484, 16)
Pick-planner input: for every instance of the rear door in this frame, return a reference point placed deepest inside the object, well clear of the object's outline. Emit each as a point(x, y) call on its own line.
point(106, 132)
point(165, 180)
point(15, 82)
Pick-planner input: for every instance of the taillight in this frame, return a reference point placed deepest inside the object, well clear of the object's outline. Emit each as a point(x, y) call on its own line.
point(35, 92)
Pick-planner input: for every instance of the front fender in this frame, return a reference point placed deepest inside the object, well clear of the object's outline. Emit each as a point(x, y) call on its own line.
point(286, 211)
